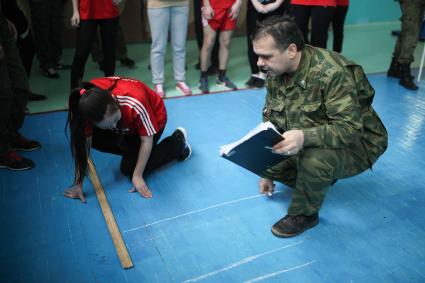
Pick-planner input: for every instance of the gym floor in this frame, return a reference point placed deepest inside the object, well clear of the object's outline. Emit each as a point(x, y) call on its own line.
point(206, 221)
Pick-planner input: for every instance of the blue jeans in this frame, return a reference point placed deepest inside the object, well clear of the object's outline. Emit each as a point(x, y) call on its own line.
point(161, 20)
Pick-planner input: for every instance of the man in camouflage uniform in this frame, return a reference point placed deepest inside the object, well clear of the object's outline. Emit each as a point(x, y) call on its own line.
point(322, 103)
point(412, 14)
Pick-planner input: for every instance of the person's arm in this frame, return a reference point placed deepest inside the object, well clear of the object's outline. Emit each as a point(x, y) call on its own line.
point(258, 6)
point(76, 191)
point(234, 10)
point(142, 159)
point(207, 10)
point(75, 19)
point(272, 6)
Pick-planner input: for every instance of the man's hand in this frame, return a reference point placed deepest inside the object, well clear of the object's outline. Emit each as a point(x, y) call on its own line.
point(140, 186)
point(207, 12)
point(266, 186)
point(234, 10)
point(75, 192)
point(75, 19)
point(293, 142)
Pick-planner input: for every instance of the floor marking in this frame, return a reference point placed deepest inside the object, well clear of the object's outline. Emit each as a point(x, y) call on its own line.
point(197, 211)
point(109, 218)
point(260, 278)
point(243, 261)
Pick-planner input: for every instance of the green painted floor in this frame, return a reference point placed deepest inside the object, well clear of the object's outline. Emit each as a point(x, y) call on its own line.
point(370, 45)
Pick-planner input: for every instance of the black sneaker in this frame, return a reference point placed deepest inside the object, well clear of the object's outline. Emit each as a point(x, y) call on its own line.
point(293, 225)
point(259, 83)
point(11, 160)
point(203, 85)
point(36, 97)
point(224, 81)
point(186, 151)
point(21, 143)
point(127, 62)
point(251, 82)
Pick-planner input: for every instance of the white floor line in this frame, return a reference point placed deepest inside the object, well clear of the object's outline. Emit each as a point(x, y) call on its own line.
point(197, 211)
point(260, 278)
point(238, 263)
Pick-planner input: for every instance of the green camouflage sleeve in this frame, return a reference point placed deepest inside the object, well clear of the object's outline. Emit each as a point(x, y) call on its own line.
point(344, 126)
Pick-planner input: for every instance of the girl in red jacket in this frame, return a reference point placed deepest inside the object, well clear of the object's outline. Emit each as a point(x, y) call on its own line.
point(125, 117)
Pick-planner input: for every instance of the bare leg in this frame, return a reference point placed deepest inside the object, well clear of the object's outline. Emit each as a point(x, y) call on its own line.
point(208, 43)
point(223, 56)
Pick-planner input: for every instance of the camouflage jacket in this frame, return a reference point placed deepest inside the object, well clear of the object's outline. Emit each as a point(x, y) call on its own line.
point(329, 98)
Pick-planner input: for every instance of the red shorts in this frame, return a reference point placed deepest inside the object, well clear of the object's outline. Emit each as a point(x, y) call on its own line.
point(221, 20)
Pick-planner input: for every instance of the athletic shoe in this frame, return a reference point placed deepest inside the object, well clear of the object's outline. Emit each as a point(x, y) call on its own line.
point(127, 62)
point(251, 82)
point(183, 88)
point(224, 81)
point(11, 160)
point(203, 85)
point(50, 73)
point(21, 143)
point(186, 151)
point(159, 89)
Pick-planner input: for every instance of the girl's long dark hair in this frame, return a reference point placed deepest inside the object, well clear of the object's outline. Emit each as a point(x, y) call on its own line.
point(84, 110)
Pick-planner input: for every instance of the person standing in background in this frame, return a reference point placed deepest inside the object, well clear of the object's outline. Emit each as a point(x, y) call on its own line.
point(338, 20)
point(320, 12)
point(47, 26)
point(87, 16)
point(173, 16)
point(24, 41)
point(13, 100)
point(412, 14)
point(258, 11)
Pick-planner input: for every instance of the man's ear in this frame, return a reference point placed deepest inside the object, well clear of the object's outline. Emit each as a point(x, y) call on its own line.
point(292, 50)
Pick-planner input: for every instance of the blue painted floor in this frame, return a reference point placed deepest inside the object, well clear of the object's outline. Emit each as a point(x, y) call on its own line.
point(206, 221)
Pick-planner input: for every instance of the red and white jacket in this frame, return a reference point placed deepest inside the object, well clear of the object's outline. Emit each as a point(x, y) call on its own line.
point(142, 110)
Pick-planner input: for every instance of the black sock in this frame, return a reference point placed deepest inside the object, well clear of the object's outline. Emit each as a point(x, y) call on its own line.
point(221, 74)
point(204, 74)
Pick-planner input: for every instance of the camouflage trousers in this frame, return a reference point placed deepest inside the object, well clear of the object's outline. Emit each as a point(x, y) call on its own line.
point(311, 172)
point(412, 15)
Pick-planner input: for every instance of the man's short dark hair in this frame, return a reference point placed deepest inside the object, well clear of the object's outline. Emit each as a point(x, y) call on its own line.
point(282, 29)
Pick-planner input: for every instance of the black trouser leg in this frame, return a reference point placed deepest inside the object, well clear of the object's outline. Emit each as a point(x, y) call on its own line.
point(56, 29)
point(108, 31)
point(128, 146)
point(302, 15)
point(320, 20)
point(251, 27)
point(41, 25)
point(85, 35)
point(13, 94)
point(26, 47)
point(338, 20)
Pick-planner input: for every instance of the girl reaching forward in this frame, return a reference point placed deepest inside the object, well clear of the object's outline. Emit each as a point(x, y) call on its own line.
point(121, 116)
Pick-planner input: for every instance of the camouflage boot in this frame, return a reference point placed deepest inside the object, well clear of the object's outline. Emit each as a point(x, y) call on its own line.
point(406, 77)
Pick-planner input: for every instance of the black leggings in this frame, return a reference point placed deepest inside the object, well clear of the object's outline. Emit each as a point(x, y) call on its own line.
point(85, 35)
point(338, 20)
point(321, 17)
point(252, 17)
point(128, 147)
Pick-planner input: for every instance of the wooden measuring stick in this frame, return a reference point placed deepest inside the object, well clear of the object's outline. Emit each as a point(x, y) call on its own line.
point(109, 218)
